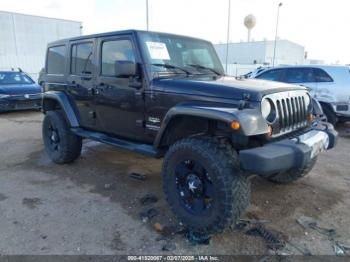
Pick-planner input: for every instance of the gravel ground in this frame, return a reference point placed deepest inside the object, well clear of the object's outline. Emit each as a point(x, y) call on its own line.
point(92, 206)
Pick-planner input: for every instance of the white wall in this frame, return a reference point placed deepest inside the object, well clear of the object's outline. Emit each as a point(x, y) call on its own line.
point(242, 53)
point(287, 53)
point(260, 52)
point(23, 39)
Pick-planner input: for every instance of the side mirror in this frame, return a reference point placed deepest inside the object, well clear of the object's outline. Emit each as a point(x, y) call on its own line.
point(124, 68)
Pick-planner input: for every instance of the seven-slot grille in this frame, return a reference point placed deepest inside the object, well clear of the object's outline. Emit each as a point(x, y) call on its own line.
point(291, 111)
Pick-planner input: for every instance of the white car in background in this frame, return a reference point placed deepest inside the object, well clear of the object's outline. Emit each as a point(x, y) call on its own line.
point(328, 84)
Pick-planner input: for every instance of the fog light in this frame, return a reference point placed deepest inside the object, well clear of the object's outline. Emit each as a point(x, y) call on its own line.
point(235, 125)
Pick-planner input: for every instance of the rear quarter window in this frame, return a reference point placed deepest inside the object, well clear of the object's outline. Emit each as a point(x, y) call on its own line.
point(56, 57)
point(322, 76)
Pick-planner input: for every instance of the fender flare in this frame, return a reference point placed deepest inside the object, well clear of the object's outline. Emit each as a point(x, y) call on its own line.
point(62, 99)
point(251, 120)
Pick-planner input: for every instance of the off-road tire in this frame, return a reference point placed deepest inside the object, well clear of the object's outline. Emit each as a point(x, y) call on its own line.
point(231, 187)
point(69, 144)
point(294, 174)
point(330, 115)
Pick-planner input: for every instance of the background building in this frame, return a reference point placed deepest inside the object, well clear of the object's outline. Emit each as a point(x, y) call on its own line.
point(245, 56)
point(23, 39)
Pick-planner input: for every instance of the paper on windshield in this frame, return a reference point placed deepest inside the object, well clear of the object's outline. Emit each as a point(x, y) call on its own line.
point(158, 50)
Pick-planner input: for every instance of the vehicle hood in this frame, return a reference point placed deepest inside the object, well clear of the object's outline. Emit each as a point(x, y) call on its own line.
point(20, 89)
point(223, 87)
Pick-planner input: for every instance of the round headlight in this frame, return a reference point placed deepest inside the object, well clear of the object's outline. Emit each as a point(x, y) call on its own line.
point(307, 100)
point(268, 110)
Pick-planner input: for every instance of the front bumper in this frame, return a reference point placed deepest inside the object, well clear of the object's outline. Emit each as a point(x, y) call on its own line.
point(17, 102)
point(288, 154)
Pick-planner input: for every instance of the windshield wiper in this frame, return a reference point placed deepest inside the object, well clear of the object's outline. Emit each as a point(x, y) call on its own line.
point(207, 68)
point(169, 66)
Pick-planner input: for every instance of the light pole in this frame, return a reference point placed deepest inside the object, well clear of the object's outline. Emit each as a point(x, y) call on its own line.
point(274, 49)
point(228, 32)
point(147, 24)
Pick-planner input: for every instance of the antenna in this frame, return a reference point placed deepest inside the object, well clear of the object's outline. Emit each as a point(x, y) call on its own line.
point(249, 22)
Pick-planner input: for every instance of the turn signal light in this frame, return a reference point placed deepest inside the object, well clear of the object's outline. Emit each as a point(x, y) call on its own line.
point(235, 125)
point(310, 118)
point(269, 131)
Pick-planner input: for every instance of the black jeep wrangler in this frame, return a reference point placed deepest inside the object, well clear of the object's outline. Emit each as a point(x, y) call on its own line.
point(167, 96)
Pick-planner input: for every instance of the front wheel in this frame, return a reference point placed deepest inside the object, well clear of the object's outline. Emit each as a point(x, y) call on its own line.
point(203, 185)
point(60, 143)
point(330, 115)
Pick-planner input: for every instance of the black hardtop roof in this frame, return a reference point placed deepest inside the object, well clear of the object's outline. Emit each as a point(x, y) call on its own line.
point(129, 31)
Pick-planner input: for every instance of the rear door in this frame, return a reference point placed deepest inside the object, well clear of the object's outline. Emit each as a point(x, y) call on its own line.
point(119, 102)
point(326, 88)
point(81, 80)
point(303, 76)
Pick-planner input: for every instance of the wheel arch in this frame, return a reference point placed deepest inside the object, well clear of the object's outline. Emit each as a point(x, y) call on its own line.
point(190, 119)
point(54, 100)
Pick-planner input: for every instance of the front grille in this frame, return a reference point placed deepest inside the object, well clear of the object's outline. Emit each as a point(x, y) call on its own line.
point(291, 111)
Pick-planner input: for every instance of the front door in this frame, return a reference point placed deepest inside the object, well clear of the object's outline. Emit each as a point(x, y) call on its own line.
point(81, 81)
point(119, 102)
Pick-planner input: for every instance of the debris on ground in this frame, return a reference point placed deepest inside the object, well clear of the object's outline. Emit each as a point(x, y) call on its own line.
point(173, 230)
point(254, 221)
point(31, 202)
point(197, 238)
point(273, 240)
point(169, 246)
point(148, 214)
point(148, 199)
point(158, 227)
point(169, 231)
point(309, 222)
point(240, 226)
point(109, 186)
point(338, 250)
point(244, 223)
point(137, 176)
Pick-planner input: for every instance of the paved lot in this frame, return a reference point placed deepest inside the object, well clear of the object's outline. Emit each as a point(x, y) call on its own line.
point(92, 206)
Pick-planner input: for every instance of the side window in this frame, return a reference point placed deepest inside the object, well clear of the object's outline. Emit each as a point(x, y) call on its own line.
point(56, 60)
point(322, 76)
point(81, 59)
point(299, 75)
point(272, 75)
point(113, 51)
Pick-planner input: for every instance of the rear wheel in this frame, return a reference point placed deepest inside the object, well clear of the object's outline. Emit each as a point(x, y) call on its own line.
point(203, 185)
point(294, 174)
point(60, 143)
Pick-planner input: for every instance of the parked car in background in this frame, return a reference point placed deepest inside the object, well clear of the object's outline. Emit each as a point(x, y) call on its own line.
point(329, 84)
point(255, 72)
point(18, 91)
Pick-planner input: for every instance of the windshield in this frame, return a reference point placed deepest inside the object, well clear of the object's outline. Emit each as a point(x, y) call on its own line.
point(176, 54)
point(13, 78)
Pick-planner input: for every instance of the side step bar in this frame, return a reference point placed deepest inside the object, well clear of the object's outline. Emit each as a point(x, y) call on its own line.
point(144, 149)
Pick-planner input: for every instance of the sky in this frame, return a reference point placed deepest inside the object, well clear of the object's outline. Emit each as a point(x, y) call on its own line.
point(322, 26)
